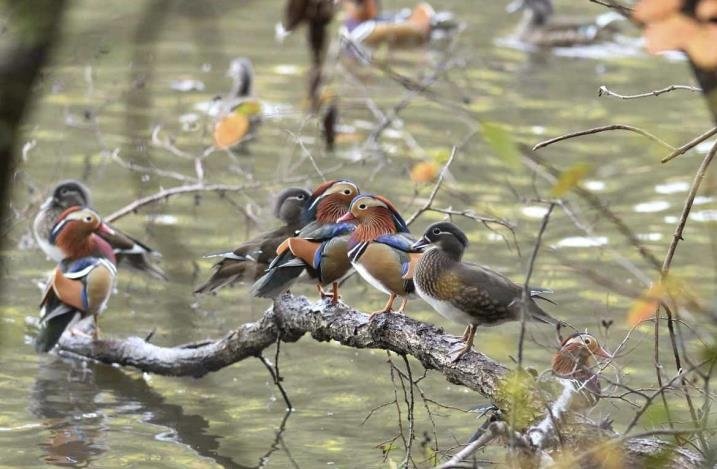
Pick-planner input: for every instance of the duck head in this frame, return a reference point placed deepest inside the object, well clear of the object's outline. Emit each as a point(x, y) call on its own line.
point(375, 216)
point(68, 194)
point(291, 204)
point(331, 200)
point(73, 233)
point(445, 236)
point(577, 354)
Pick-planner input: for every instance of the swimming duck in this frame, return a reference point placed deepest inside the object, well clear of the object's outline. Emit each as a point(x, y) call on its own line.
point(465, 293)
point(541, 28)
point(319, 249)
point(70, 193)
point(380, 248)
point(250, 260)
point(82, 282)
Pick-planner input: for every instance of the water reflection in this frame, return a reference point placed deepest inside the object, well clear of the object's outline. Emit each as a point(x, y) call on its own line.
point(68, 399)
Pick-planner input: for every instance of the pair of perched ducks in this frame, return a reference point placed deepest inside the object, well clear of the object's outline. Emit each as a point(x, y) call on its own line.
point(87, 251)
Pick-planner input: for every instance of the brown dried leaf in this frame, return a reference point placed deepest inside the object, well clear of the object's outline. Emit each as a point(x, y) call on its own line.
point(706, 10)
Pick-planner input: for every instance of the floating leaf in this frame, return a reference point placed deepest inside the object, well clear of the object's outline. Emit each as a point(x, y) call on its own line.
point(501, 142)
point(569, 179)
point(230, 130)
point(424, 172)
point(249, 108)
point(669, 288)
point(440, 155)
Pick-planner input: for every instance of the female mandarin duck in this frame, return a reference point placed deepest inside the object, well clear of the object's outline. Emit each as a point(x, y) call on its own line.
point(320, 248)
point(379, 248)
point(468, 294)
point(67, 194)
point(250, 260)
point(573, 366)
point(82, 283)
point(540, 28)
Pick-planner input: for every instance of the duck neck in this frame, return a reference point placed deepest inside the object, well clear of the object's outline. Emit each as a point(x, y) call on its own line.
point(330, 209)
point(452, 249)
point(373, 227)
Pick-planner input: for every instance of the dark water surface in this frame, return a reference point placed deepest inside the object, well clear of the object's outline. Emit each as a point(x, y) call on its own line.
point(98, 95)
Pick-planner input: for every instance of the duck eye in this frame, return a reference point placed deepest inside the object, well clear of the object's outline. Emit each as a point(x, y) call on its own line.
point(300, 196)
point(362, 206)
point(436, 231)
point(88, 219)
point(63, 191)
point(347, 191)
point(587, 341)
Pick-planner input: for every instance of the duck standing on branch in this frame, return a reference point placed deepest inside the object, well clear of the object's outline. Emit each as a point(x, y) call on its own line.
point(250, 260)
point(82, 283)
point(380, 248)
point(68, 194)
point(541, 28)
point(319, 249)
point(468, 294)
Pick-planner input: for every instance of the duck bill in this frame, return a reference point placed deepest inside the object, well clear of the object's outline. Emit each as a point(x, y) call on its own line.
point(602, 353)
point(346, 218)
point(105, 229)
point(420, 244)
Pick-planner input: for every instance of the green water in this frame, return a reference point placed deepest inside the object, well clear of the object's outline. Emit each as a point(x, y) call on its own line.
point(99, 95)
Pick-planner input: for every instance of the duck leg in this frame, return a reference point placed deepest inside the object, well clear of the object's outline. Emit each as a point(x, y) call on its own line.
point(468, 343)
point(404, 301)
point(387, 308)
point(335, 293)
point(96, 330)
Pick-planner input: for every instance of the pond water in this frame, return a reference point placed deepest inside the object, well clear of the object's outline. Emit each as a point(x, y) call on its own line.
point(102, 93)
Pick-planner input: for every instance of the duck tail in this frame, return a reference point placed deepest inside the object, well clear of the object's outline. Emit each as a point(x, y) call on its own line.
point(52, 328)
point(538, 314)
point(282, 273)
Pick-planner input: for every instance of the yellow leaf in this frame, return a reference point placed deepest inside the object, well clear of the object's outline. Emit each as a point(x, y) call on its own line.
point(668, 289)
point(424, 172)
point(249, 108)
point(230, 130)
point(570, 178)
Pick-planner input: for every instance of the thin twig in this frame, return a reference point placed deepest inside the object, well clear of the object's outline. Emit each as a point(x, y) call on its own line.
point(277, 381)
point(604, 91)
point(689, 145)
point(605, 128)
point(526, 289)
point(491, 432)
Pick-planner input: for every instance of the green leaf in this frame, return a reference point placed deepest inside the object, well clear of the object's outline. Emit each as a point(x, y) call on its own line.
point(569, 179)
point(501, 142)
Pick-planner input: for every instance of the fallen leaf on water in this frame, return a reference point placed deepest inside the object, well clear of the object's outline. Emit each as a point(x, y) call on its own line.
point(569, 179)
point(424, 172)
point(230, 130)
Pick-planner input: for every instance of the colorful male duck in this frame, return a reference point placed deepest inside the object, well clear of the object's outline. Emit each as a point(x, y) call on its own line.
point(380, 248)
point(365, 24)
point(238, 113)
point(320, 248)
point(573, 365)
point(67, 194)
point(540, 27)
point(250, 260)
point(82, 283)
point(468, 294)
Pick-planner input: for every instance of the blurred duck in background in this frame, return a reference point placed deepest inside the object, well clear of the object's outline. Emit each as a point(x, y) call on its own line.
point(540, 27)
point(68, 194)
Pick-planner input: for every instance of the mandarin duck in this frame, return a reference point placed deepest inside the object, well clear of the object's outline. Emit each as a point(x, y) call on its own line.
point(319, 249)
point(573, 366)
point(541, 28)
point(250, 260)
point(238, 113)
point(468, 294)
point(82, 282)
point(71, 193)
point(380, 248)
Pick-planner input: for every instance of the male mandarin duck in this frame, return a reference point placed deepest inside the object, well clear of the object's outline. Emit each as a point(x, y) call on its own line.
point(70, 193)
point(238, 113)
point(366, 24)
point(380, 248)
point(250, 260)
point(320, 248)
point(573, 365)
point(465, 293)
point(82, 283)
point(540, 27)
